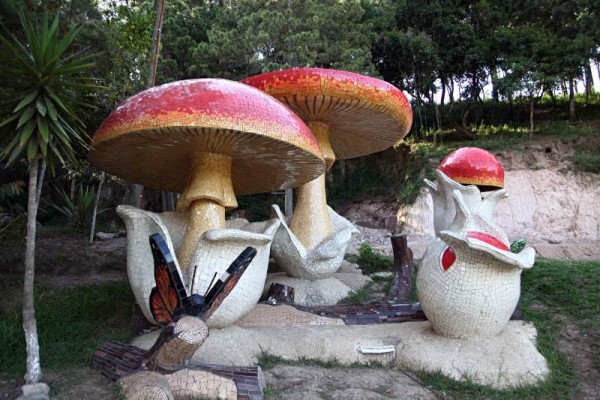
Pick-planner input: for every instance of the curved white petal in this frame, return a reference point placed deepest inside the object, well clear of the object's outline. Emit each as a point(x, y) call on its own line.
point(319, 263)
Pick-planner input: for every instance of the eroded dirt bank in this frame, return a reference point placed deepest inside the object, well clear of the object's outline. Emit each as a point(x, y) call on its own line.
point(551, 206)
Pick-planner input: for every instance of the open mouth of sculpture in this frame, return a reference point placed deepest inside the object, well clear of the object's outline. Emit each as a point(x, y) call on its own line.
point(489, 239)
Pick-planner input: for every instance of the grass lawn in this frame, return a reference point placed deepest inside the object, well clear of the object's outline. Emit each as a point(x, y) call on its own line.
point(72, 324)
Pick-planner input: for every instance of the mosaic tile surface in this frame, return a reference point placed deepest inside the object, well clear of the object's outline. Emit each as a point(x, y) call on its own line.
point(148, 139)
point(469, 281)
point(474, 166)
point(442, 192)
point(215, 251)
point(365, 115)
point(283, 315)
point(318, 263)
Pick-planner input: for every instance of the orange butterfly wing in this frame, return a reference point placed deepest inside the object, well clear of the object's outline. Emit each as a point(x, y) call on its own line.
point(163, 298)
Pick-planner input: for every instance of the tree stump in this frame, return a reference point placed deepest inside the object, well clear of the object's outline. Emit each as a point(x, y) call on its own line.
point(403, 269)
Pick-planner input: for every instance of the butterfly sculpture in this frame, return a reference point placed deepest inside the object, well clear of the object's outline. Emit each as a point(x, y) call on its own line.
point(169, 300)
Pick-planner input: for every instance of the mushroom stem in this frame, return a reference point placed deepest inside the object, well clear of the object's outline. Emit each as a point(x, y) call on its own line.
point(321, 132)
point(311, 223)
point(207, 195)
point(204, 215)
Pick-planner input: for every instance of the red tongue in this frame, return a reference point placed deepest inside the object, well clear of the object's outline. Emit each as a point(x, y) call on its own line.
point(487, 238)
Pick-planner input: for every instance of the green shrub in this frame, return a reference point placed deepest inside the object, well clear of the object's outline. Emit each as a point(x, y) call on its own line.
point(78, 212)
point(371, 262)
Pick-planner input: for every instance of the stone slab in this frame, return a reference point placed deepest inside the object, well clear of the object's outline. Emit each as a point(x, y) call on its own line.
point(322, 292)
point(507, 360)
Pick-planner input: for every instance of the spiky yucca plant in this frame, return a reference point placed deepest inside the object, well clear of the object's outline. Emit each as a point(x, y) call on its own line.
point(45, 81)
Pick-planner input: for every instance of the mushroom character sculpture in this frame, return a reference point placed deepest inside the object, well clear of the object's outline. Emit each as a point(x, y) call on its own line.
point(207, 139)
point(351, 115)
point(470, 280)
point(471, 171)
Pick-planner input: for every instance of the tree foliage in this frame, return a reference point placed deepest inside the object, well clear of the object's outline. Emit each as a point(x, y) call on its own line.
point(44, 80)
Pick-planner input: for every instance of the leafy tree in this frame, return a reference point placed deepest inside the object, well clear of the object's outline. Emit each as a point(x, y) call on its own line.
point(45, 81)
point(254, 36)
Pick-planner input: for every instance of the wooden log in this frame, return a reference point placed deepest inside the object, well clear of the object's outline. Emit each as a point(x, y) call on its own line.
point(280, 294)
point(171, 353)
point(378, 312)
point(403, 269)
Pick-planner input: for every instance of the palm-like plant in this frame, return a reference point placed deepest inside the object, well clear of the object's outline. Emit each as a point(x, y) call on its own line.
point(45, 79)
point(45, 82)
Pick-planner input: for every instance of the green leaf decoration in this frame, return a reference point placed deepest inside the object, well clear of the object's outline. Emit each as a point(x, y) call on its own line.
point(518, 245)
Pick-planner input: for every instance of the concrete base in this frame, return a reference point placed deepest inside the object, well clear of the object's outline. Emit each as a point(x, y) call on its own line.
point(507, 360)
point(35, 391)
point(322, 292)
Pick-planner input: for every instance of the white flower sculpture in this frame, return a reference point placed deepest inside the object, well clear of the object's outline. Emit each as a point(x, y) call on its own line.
point(469, 281)
point(318, 263)
point(215, 251)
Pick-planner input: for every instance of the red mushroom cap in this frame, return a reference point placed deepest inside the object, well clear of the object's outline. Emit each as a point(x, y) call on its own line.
point(474, 166)
point(365, 115)
point(148, 139)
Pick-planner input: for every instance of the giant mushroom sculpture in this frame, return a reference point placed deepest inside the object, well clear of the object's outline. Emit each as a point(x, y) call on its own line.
point(209, 139)
point(351, 115)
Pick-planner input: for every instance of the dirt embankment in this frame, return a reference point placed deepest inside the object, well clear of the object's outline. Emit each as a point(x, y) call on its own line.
point(551, 206)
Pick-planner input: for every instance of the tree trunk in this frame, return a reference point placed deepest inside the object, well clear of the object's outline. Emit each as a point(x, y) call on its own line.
point(95, 211)
point(73, 187)
point(531, 106)
point(571, 100)
point(159, 11)
point(40, 182)
point(563, 86)
point(495, 95)
point(403, 269)
point(451, 90)
point(443, 96)
point(34, 371)
point(589, 81)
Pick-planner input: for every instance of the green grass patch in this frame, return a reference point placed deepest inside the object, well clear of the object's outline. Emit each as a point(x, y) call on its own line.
point(267, 361)
point(551, 291)
point(72, 323)
point(362, 295)
point(370, 261)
